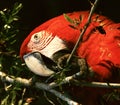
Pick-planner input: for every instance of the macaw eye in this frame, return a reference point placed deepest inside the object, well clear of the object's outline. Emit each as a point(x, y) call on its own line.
point(36, 37)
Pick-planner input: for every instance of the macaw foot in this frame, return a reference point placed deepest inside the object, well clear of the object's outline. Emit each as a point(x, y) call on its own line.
point(75, 65)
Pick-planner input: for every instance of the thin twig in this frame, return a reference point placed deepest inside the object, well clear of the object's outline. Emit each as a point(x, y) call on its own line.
point(100, 84)
point(46, 97)
point(83, 31)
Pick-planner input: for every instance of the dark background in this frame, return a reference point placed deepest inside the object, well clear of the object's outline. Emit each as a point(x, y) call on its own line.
point(35, 12)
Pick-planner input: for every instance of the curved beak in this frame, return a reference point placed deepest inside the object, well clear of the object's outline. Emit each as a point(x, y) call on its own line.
point(36, 64)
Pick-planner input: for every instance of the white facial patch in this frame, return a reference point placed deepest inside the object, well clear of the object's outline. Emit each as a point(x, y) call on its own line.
point(54, 46)
point(45, 43)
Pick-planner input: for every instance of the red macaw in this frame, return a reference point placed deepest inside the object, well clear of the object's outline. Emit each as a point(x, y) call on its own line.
point(100, 45)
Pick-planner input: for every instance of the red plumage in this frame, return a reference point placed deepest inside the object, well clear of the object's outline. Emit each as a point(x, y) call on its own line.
point(100, 45)
point(101, 50)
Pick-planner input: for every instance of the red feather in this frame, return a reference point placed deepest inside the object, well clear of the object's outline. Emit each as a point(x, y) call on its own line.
point(101, 50)
point(100, 47)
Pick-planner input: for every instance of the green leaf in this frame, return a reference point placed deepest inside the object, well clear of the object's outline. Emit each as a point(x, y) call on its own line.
point(17, 7)
point(20, 102)
point(3, 16)
point(68, 18)
point(5, 100)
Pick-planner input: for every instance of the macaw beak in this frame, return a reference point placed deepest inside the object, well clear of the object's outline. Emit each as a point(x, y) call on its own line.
point(36, 64)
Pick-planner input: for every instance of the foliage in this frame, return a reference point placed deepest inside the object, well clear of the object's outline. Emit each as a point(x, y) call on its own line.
point(15, 94)
point(9, 59)
point(8, 33)
point(11, 63)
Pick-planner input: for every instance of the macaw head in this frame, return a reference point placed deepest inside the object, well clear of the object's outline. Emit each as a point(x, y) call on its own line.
point(40, 43)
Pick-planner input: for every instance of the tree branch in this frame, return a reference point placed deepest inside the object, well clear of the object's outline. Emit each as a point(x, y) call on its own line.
point(48, 87)
point(38, 85)
point(88, 84)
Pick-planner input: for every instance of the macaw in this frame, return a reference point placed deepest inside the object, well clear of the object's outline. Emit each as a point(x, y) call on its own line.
point(100, 45)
